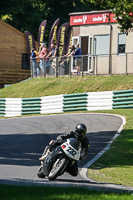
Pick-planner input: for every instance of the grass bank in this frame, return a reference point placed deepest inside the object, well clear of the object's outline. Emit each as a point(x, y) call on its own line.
point(116, 165)
point(53, 193)
point(53, 86)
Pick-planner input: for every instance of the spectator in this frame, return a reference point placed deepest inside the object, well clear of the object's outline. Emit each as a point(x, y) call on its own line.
point(53, 54)
point(38, 61)
point(34, 62)
point(42, 54)
point(78, 58)
point(72, 51)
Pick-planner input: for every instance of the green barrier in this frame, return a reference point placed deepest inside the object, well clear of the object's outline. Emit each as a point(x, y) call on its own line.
point(2, 112)
point(123, 103)
point(31, 99)
point(31, 106)
point(75, 109)
point(31, 112)
point(30, 102)
point(123, 95)
point(31, 109)
point(73, 102)
point(126, 106)
point(75, 95)
point(123, 99)
point(74, 105)
point(74, 98)
point(2, 102)
point(122, 91)
point(2, 99)
point(3, 109)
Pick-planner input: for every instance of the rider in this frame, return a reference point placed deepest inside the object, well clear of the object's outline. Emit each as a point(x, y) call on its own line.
point(79, 134)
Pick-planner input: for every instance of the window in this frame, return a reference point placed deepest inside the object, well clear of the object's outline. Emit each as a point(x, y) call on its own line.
point(75, 40)
point(25, 61)
point(121, 43)
point(101, 44)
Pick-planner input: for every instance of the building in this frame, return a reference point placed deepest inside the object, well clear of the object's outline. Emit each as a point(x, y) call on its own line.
point(105, 49)
point(14, 62)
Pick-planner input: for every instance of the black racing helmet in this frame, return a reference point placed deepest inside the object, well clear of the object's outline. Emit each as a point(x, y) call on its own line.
point(80, 130)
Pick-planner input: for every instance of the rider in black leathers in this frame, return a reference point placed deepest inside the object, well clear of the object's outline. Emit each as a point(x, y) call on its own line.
point(79, 134)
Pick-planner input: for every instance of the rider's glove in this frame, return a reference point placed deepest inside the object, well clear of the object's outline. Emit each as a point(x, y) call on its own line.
point(59, 139)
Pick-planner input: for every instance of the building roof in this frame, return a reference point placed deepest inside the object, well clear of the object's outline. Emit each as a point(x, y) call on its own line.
point(90, 12)
point(12, 28)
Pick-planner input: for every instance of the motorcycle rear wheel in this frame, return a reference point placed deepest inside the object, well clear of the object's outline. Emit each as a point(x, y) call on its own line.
point(40, 173)
point(58, 168)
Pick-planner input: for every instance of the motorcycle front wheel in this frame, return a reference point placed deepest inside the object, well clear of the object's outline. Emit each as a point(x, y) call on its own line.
point(58, 168)
point(40, 173)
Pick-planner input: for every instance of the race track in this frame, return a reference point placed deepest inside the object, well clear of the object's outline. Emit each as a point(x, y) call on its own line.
point(22, 141)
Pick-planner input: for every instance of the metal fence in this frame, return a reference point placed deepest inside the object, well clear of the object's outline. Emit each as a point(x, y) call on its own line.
point(109, 64)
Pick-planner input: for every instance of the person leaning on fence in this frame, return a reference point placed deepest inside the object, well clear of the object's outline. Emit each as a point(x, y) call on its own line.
point(70, 53)
point(78, 58)
point(42, 54)
point(53, 54)
point(34, 62)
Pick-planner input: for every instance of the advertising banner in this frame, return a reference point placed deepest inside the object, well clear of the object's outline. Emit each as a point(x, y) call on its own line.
point(99, 18)
point(62, 38)
point(30, 41)
point(69, 41)
point(41, 34)
point(53, 34)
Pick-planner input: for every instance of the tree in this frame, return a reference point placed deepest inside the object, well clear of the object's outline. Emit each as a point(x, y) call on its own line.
point(28, 14)
point(123, 11)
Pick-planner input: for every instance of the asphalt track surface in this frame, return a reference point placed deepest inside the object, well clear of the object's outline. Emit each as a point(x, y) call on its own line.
point(22, 141)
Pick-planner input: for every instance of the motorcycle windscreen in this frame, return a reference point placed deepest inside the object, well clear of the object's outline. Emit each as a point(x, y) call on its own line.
point(75, 143)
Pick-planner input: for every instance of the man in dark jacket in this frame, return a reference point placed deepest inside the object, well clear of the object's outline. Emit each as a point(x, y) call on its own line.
point(79, 134)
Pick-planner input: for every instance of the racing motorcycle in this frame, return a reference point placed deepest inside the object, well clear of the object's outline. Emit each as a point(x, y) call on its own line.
point(60, 159)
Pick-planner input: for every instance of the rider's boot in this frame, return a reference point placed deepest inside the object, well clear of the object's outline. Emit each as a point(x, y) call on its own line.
point(45, 155)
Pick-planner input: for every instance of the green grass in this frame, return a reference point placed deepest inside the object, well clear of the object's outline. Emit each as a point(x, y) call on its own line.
point(54, 193)
point(116, 165)
point(53, 86)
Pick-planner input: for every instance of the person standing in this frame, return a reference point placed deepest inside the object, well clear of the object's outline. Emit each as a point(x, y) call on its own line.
point(78, 58)
point(53, 54)
point(34, 62)
point(42, 54)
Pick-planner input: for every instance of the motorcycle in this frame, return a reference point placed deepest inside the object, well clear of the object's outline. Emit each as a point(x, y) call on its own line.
point(60, 159)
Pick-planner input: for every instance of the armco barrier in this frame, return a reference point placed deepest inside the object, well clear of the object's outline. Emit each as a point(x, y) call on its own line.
point(52, 104)
point(2, 107)
point(90, 101)
point(75, 102)
point(13, 107)
point(31, 106)
point(100, 100)
point(123, 99)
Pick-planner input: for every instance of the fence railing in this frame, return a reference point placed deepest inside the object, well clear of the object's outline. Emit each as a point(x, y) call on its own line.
point(83, 65)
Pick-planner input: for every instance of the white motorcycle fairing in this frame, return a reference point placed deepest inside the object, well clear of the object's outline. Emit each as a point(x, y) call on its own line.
point(70, 151)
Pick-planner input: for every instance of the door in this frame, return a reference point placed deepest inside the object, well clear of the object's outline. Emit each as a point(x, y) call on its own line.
point(84, 48)
point(90, 54)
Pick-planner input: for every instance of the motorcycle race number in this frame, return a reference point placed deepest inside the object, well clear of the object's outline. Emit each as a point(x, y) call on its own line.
point(70, 151)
